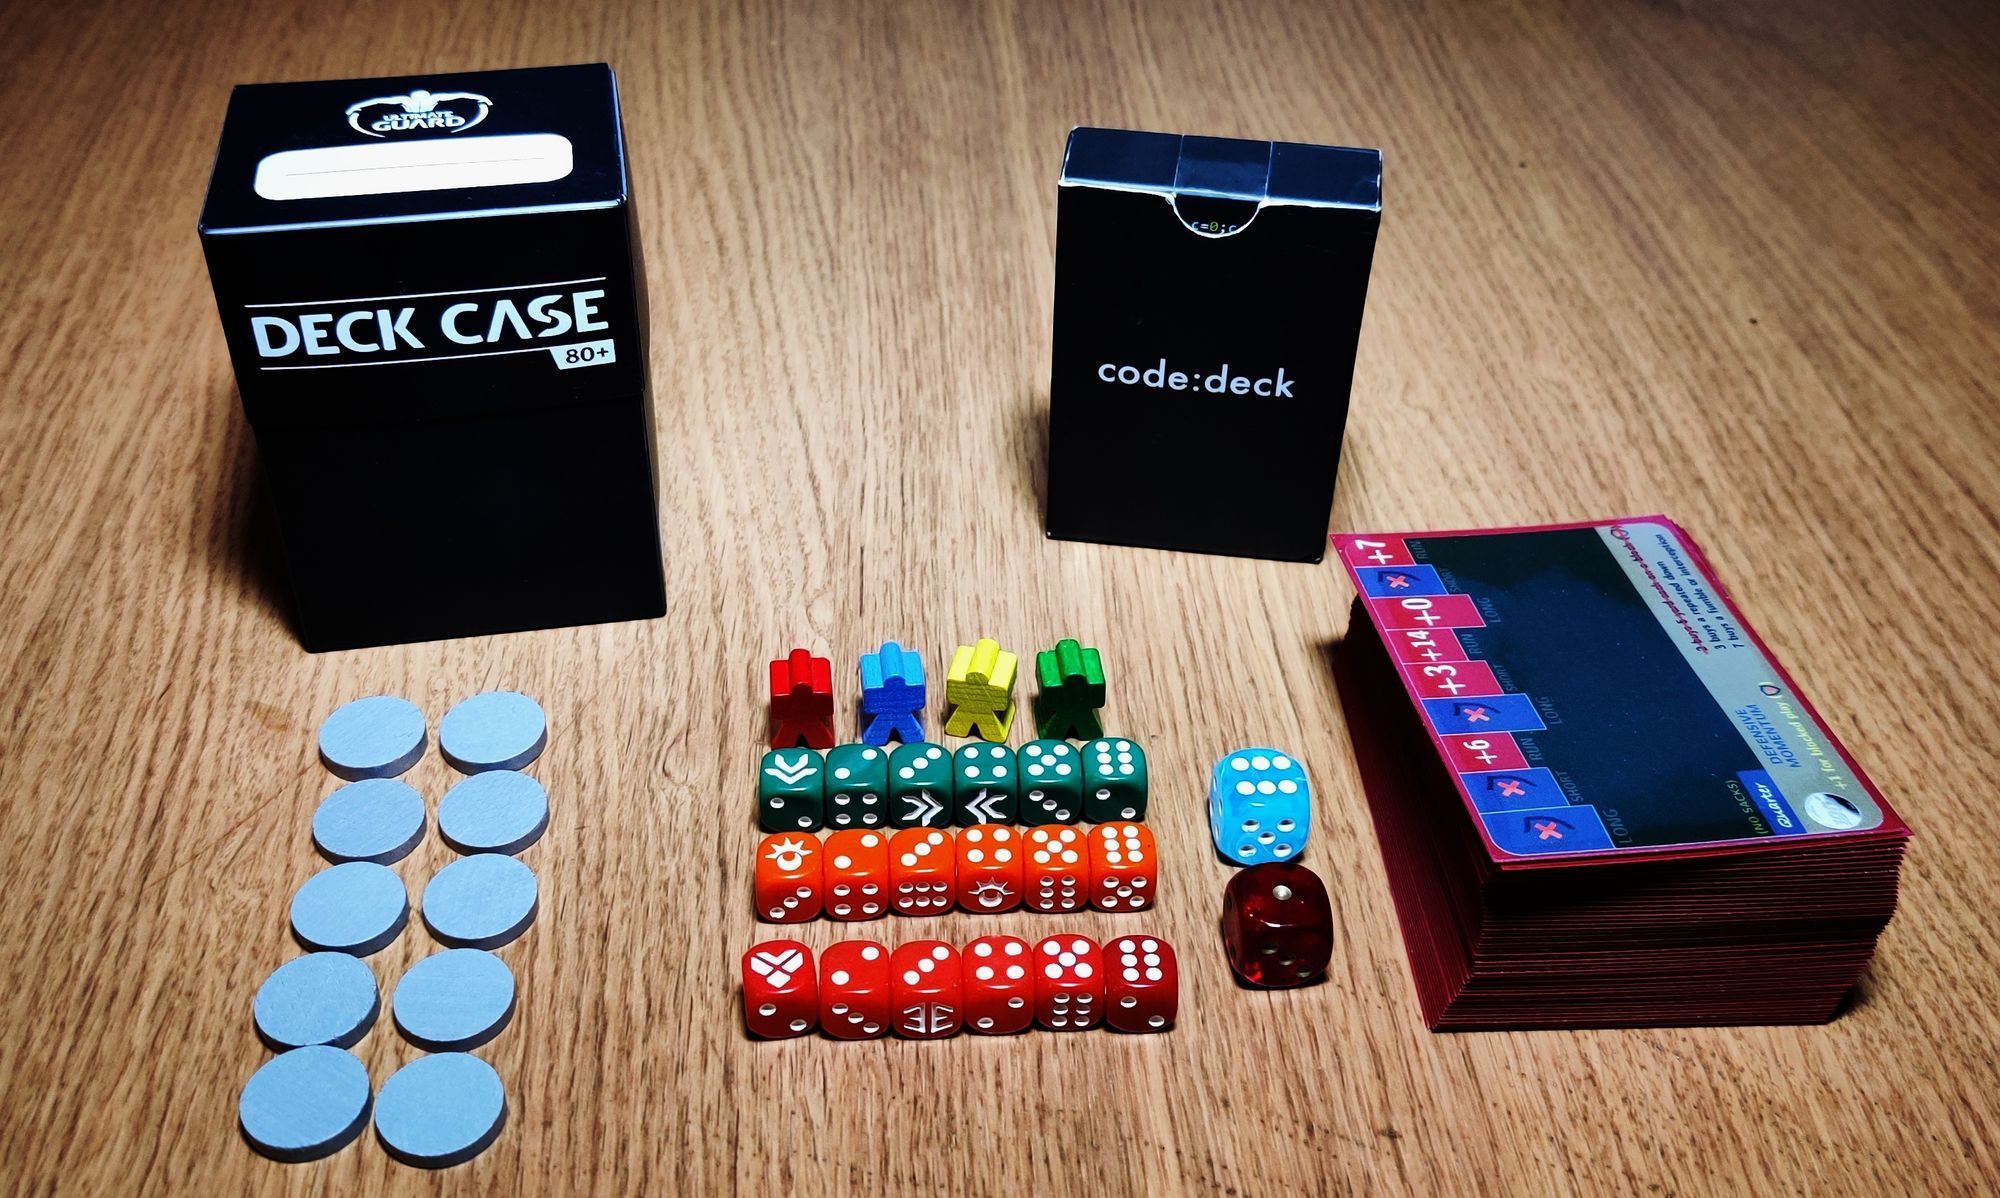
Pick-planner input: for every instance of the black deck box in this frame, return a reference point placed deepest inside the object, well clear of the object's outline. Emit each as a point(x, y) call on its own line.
point(1208, 300)
point(433, 295)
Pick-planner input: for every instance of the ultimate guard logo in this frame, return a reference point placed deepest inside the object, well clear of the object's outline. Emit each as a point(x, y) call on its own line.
point(453, 112)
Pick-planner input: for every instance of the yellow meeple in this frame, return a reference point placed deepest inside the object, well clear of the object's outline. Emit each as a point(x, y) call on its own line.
point(979, 690)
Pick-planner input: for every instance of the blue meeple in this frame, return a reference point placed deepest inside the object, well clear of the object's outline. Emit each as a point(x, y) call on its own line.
point(892, 695)
point(1259, 806)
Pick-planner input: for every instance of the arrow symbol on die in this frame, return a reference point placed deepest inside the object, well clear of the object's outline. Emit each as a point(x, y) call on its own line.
point(923, 808)
point(779, 966)
point(790, 773)
point(985, 808)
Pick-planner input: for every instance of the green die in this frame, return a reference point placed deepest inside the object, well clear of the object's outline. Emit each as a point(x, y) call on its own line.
point(1114, 780)
point(857, 786)
point(984, 785)
point(919, 786)
point(1051, 782)
point(791, 791)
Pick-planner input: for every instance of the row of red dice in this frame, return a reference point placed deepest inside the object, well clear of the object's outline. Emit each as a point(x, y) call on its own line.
point(927, 990)
point(985, 869)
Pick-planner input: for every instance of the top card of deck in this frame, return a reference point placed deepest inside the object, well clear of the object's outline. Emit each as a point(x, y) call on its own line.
point(1592, 690)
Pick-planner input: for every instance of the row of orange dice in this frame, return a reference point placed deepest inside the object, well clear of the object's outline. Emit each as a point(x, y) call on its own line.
point(926, 989)
point(985, 869)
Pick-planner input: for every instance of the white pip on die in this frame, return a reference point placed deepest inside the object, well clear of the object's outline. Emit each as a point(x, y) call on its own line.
point(1259, 806)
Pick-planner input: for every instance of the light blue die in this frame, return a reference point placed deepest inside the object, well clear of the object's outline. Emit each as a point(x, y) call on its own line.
point(1259, 806)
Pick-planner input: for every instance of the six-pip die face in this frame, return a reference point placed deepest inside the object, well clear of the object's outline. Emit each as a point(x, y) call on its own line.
point(1069, 983)
point(856, 865)
point(1057, 872)
point(1124, 867)
point(922, 871)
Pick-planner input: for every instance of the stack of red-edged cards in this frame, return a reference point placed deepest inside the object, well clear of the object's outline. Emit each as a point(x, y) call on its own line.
point(1600, 801)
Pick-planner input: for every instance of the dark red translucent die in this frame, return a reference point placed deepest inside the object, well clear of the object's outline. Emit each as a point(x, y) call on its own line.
point(1277, 926)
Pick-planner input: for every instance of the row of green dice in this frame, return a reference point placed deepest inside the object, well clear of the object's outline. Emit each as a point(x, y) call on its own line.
point(925, 786)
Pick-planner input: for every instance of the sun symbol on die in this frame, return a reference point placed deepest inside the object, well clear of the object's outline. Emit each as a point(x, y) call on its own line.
point(991, 893)
point(788, 854)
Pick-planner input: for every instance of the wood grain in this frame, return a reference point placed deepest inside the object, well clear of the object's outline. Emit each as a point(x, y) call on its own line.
point(1731, 262)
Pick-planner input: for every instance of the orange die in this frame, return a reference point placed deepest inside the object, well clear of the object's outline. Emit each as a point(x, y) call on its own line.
point(1124, 869)
point(789, 881)
point(1056, 873)
point(857, 874)
point(989, 868)
point(921, 871)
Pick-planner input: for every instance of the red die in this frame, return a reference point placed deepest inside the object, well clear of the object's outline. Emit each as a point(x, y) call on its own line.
point(921, 871)
point(854, 990)
point(1142, 989)
point(926, 990)
point(1124, 868)
point(1277, 927)
point(780, 995)
point(789, 883)
point(999, 991)
point(857, 874)
point(1055, 875)
point(989, 868)
point(1069, 983)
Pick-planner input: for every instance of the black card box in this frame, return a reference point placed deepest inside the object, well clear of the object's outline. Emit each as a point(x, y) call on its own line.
point(1208, 300)
point(432, 293)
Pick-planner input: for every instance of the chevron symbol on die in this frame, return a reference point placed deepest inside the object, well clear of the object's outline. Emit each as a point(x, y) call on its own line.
point(923, 808)
point(778, 967)
point(791, 773)
point(986, 808)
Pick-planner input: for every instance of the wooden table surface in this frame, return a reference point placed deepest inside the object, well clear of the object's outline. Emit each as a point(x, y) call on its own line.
point(1735, 263)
